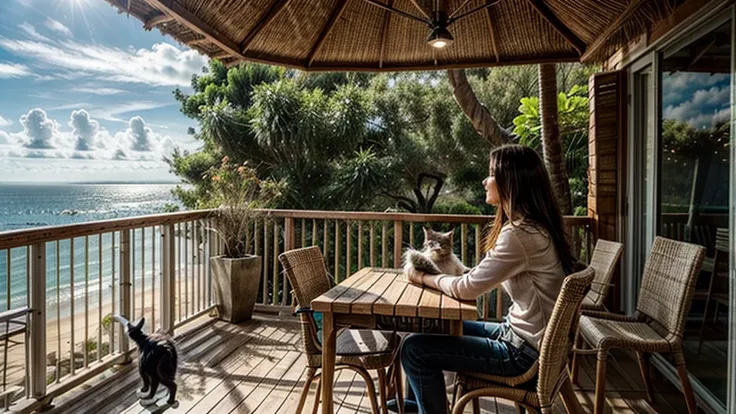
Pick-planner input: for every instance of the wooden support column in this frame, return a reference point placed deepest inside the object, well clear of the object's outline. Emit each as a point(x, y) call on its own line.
point(168, 267)
point(126, 308)
point(37, 329)
point(607, 93)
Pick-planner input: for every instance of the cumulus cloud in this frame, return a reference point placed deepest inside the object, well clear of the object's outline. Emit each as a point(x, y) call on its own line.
point(5, 138)
point(705, 108)
point(5, 122)
point(139, 135)
point(684, 80)
point(84, 130)
point(161, 65)
point(42, 137)
point(39, 129)
point(13, 70)
point(57, 27)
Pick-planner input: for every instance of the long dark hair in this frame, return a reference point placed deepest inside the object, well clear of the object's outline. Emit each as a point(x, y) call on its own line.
point(524, 189)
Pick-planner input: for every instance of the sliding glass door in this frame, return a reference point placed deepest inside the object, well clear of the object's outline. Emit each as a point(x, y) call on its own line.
point(681, 161)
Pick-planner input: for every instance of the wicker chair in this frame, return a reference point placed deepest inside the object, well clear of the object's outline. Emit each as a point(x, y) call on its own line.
point(666, 292)
point(358, 350)
point(604, 259)
point(537, 389)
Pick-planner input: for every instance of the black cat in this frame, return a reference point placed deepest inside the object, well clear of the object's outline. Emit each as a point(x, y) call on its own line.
point(157, 361)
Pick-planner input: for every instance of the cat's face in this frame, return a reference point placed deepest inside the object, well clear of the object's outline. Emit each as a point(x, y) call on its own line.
point(440, 244)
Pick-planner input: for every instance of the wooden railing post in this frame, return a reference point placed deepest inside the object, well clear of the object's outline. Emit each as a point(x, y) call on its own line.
point(289, 243)
point(126, 308)
point(38, 320)
point(398, 241)
point(168, 266)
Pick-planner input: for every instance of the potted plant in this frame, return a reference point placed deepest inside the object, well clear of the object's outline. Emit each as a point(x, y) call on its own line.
point(238, 197)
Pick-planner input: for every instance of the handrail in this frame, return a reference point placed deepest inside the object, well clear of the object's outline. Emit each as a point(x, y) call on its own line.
point(25, 237)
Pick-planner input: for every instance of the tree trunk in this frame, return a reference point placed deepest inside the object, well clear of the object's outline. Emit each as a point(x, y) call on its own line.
point(477, 113)
point(551, 141)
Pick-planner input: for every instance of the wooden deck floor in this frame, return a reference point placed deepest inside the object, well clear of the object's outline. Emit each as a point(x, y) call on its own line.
point(256, 367)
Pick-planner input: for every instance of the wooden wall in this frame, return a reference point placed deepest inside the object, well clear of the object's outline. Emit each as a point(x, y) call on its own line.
point(607, 91)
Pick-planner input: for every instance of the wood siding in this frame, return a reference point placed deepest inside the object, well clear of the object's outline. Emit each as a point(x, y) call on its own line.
point(607, 92)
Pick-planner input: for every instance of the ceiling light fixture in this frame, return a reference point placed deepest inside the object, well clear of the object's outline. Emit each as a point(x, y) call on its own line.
point(439, 35)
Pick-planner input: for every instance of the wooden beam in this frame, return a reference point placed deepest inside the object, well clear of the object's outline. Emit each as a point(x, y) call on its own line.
point(326, 29)
point(611, 29)
point(195, 24)
point(221, 55)
point(494, 45)
point(384, 32)
point(421, 9)
point(541, 7)
point(271, 13)
point(198, 41)
point(157, 20)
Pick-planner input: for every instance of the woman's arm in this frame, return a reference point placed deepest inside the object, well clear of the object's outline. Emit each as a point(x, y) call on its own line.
point(504, 261)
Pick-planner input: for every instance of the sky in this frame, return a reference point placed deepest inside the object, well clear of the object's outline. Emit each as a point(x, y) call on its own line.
point(699, 99)
point(86, 94)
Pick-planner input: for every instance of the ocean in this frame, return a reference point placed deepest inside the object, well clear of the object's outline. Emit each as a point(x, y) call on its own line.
point(35, 205)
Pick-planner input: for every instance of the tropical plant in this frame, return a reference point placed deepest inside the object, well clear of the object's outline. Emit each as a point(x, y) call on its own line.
point(238, 196)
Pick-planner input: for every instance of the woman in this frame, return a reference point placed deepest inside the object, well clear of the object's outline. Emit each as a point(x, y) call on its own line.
point(527, 254)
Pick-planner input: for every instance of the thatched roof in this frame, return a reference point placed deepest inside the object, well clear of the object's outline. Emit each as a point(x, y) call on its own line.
point(361, 35)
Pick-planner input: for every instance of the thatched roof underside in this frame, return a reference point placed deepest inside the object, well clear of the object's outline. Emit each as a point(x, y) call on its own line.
point(354, 35)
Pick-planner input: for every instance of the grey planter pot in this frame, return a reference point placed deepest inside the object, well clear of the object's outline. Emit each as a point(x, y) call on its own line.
point(235, 283)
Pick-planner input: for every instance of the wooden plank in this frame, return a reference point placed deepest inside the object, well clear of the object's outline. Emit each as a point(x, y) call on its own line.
point(364, 304)
point(323, 303)
point(387, 304)
point(343, 304)
point(429, 305)
point(407, 304)
point(449, 308)
point(268, 364)
point(267, 384)
point(286, 401)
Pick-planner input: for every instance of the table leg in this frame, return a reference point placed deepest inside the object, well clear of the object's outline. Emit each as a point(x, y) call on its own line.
point(329, 344)
point(456, 327)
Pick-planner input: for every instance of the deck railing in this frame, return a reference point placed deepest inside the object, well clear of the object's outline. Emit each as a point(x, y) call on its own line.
point(74, 277)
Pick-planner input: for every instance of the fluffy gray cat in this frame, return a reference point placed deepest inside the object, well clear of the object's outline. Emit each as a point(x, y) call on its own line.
point(436, 256)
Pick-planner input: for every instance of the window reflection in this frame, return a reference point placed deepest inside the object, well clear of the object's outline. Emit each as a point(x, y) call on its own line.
point(694, 188)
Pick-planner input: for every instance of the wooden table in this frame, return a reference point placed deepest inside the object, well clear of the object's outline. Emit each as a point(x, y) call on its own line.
point(357, 300)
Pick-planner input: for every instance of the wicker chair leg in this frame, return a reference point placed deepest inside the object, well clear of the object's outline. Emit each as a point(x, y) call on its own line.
point(399, 385)
point(317, 396)
point(369, 386)
point(569, 399)
point(600, 382)
point(305, 390)
point(575, 361)
point(685, 380)
point(476, 406)
point(382, 389)
point(643, 360)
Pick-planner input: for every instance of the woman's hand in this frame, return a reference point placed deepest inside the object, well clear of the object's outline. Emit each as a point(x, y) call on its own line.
point(416, 277)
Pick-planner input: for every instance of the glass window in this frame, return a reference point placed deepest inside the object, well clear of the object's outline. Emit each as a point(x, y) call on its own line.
point(692, 202)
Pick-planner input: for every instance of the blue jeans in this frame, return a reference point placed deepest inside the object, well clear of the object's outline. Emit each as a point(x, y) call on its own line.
point(425, 356)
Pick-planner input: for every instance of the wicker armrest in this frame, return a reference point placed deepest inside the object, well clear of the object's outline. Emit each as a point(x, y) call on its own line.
point(608, 316)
